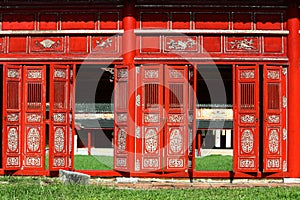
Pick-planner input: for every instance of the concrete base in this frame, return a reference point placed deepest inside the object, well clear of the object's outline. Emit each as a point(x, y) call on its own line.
point(68, 177)
point(291, 180)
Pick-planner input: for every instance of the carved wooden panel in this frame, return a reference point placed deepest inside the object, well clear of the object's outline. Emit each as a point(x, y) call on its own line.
point(47, 44)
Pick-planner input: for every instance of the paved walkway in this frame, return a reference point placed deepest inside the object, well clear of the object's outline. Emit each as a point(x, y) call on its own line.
point(139, 183)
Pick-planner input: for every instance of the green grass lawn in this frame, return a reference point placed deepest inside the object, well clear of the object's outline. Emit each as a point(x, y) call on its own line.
point(50, 188)
point(214, 163)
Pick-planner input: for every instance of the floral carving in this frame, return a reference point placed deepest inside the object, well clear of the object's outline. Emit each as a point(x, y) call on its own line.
point(152, 73)
point(104, 43)
point(33, 139)
point(180, 45)
point(13, 73)
point(59, 162)
point(59, 117)
point(273, 163)
point(273, 75)
point(247, 118)
point(175, 118)
point(13, 117)
point(246, 163)
point(59, 140)
point(175, 74)
point(273, 119)
point(176, 141)
point(150, 118)
point(12, 161)
point(273, 141)
point(122, 137)
point(33, 161)
point(34, 117)
point(151, 163)
point(47, 44)
point(247, 74)
point(175, 163)
point(121, 162)
point(151, 140)
point(122, 73)
point(244, 44)
point(60, 73)
point(247, 141)
point(13, 139)
point(34, 74)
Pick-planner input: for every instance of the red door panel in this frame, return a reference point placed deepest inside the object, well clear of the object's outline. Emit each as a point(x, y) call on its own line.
point(152, 117)
point(12, 117)
point(34, 115)
point(176, 108)
point(246, 140)
point(121, 116)
point(275, 137)
point(60, 135)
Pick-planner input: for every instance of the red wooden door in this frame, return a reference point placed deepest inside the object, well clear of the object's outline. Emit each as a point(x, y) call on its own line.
point(246, 142)
point(60, 138)
point(12, 117)
point(275, 133)
point(24, 114)
point(121, 116)
point(176, 109)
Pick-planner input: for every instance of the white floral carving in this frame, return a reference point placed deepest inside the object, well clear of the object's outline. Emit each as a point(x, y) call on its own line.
point(151, 73)
point(34, 74)
point(284, 166)
point(60, 73)
point(175, 74)
point(59, 140)
point(33, 161)
point(175, 163)
point(121, 162)
point(180, 45)
point(273, 141)
point(151, 118)
point(59, 117)
point(59, 162)
point(175, 118)
point(122, 137)
point(273, 74)
point(243, 44)
point(138, 132)
point(13, 73)
point(137, 165)
point(151, 140)
point(47, 44)
point(284, 137)
point(12, 161)
point(247, 74)
point(13, 139)
point(247, 118)
point(176, 141)
point(13, 117)
point(104, 43)
point(33, 139)
point(273, 118)
point(273, 163)
point(34, 118)
point(151, 163)
point(247, 141)
point(246, 163)
point(122, 73)
point(122, 117)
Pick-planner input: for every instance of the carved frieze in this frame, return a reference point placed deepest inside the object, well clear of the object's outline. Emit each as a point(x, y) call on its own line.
point(181, 43)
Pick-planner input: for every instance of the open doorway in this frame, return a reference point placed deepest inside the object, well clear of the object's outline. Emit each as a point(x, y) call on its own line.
point(214, 136)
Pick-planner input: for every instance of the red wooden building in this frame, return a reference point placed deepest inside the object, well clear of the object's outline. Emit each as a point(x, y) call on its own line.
point(162, 59)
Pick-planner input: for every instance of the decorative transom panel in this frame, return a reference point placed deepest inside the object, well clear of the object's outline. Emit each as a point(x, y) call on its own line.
point(247, 74)
point(13, 73)
point(33, 161)
point(246, 163)
point(121, 162)
point(151, 73)
point(122, 136)
point(247, 141)
point(151, 140)
point(176, 141)
point(122, 73)
point(273, 163)
point(13, 117)
point(12, 161)
point(13, 139)
point(273, 74)
point(59, 140)
point(273, 141)
point(176, 73)
point(34, 74)
point(175, 118)
point(274, 119)
point(151, 118)
point(33, 139)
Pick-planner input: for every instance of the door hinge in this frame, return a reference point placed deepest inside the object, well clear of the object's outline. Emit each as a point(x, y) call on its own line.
point(284, 134)
point(138, 100)
point(284, 101)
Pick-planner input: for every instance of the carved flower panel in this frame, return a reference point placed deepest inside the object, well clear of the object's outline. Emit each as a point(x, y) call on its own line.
point(247, 118)
point(13, 73)
point(13, 139)
point(121, 162)
point(273, 74)
point(247, 141)
point(59, 162)
point(33, 117)
point(60, 73)
point(50, 44)
point(33, 161)
point(242, 44)
point(122, 140)
point(181, 44)
point(151, 140)
point(176, 141)
point(273, 119)
point(273, 163)
point(34, 74)
point(151, 118)
point(12, 161)
point(122, 73)
point(246, 163)
point(105, 44)
point(174, 73)
point(33, 141)
point(247, 74)
point(150, 163)
point(121, 117)
point(176, 118)
point(13, 117)
point(175, 163)
point(59, 117)
point(273, 141)
point(151, 73)
point(59, 140)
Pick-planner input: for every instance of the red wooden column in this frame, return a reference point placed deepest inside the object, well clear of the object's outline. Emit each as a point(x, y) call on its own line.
point(129, 24)
point(293, 90)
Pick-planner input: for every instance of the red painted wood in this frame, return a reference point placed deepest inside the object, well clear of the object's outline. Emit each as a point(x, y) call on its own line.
point(60, 138)
point(246, 118)
point(293, 90)
point(275, 132)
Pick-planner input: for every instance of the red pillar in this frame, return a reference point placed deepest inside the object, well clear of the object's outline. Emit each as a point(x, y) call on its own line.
point(129, 23)
point(293, 91)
